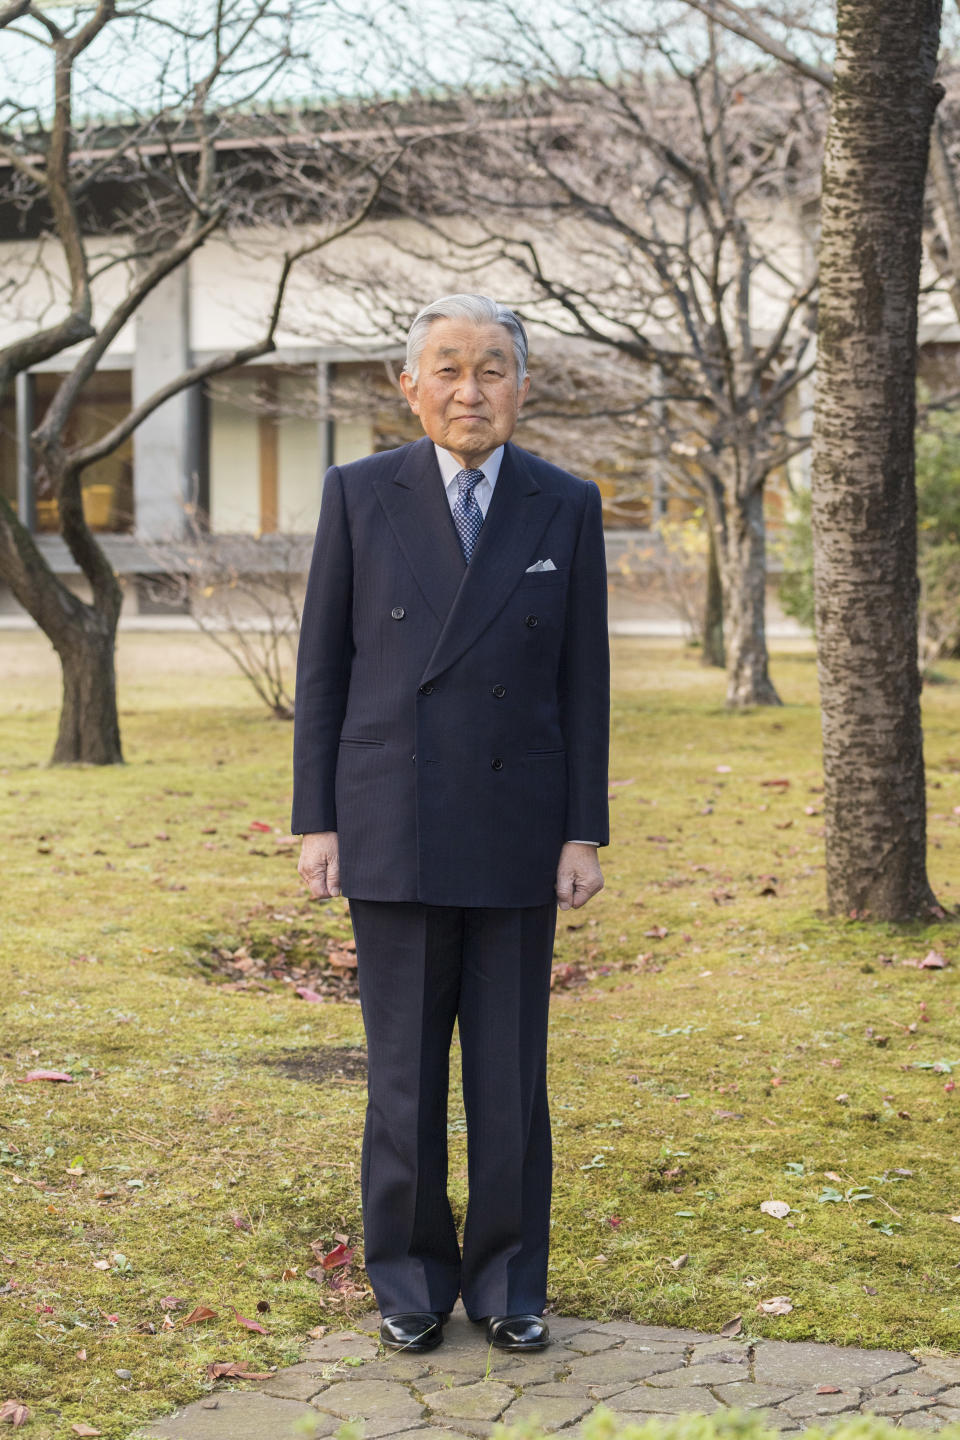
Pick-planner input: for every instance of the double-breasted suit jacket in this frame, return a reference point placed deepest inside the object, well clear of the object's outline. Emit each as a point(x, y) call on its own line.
point(451, 719)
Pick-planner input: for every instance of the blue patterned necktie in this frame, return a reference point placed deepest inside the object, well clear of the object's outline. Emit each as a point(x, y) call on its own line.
point(467, 515)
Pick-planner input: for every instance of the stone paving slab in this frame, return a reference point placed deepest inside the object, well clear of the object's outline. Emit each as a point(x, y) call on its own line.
point(485, 1400)
point(463, 1388)
point(238, 1415)
point(781, 1362)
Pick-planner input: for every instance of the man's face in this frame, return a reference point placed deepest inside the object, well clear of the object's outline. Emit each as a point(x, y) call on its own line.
point(466, 391)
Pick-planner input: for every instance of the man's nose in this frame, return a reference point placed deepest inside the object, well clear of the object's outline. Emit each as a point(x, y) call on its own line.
point(469, 389)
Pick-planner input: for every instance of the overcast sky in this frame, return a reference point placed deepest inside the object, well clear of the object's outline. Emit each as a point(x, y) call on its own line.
point(350, 47)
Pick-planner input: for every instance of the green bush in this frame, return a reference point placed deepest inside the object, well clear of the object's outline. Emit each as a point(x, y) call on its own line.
point(938, 539)
point(730, 1424)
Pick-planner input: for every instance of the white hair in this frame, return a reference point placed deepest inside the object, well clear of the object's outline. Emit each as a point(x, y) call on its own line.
point(478, 308)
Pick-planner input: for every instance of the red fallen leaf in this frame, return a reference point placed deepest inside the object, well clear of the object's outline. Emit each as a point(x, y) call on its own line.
point(44, 1309)
point(60, 1075)
point(304, 992)
point(259, 825)
point(776, 784)
point(170, 1302)
point(829, 1390)
point(339, 1255)
point(242, 1223)
point(200, 1312)
point(933, 960)
point(950, 1086)
point(236, 1368)
point(15, 1411)
point(249, 1324)
point(614, 1221)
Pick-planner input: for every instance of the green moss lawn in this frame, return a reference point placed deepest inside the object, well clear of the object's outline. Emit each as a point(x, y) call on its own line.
point(717, 1043)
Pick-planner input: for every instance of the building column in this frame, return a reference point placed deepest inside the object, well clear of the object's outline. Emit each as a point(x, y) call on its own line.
point(163, 445)
point(325, 419)
point(24, 397)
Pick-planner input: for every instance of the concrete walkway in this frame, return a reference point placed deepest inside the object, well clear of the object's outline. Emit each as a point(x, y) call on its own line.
point(464, 1387)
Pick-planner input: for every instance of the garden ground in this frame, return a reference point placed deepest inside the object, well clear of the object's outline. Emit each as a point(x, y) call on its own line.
point(717, 1042)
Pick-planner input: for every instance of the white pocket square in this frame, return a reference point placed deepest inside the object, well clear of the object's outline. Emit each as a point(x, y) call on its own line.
point(540, 565)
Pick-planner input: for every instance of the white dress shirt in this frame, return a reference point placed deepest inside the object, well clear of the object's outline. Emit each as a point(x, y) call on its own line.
point(483, 492)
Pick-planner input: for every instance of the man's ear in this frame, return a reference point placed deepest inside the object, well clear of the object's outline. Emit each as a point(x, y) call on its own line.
point(522, 392)
point(409, 388)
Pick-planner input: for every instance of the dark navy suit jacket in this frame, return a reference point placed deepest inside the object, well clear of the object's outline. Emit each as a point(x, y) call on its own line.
point(452, 719)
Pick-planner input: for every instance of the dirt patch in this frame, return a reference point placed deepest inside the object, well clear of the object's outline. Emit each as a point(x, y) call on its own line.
point(325, 1064)
point(274, 950)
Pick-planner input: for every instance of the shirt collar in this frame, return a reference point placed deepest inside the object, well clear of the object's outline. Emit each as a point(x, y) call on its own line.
point(449, 467)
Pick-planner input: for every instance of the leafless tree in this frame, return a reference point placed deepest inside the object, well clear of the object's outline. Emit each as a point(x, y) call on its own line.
point(136, 200)
point(885, 138)
point(633, 206)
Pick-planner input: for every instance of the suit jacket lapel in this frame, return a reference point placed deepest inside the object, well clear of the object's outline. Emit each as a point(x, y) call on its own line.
point(518, 514)
point(416, 506)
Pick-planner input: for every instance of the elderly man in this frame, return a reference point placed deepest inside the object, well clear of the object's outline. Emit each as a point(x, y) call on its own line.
point(450, 777)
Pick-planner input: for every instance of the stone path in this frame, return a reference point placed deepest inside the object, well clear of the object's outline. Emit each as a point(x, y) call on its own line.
point(464, 1387)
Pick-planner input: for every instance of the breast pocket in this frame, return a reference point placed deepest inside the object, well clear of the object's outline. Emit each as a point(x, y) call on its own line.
point(534, 580)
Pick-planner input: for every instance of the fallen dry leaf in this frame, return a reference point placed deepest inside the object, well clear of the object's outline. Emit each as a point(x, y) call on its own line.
point(779, 1209)
point(170, 1302)
point(339, 1255)
point(679, 1263)
point(261, 826)
point(81, 1429)
point(305, 993)
point(732, 1327)
point(829, 1390)
point(249, 1324)
point(15, 1411)
point(59, 1075)
point(933, 960)
point(200, 1312)
point(776, 1305)
point(221, 1369)
point(657, 932)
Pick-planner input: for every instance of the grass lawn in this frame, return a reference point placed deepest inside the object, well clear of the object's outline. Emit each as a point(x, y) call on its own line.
point(717, 1042)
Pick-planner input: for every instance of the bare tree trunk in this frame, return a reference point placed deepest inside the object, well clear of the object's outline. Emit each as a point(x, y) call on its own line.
point(864, 495)
point(89, 730)
point(743, 572)
point(713, 652)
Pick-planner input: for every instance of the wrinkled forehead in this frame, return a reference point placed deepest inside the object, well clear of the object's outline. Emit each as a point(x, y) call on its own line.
point(465, 341)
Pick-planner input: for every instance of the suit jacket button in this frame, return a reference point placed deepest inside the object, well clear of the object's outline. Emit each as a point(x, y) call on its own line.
point(531, 621)
point(496, 764)
point(398, 612)
point(499, 691)
point(424, 689)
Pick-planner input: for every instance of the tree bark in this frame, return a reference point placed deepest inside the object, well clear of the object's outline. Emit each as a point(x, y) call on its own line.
point(712, 652)
point(863, 489)
point(743, 572)
point(89, 730)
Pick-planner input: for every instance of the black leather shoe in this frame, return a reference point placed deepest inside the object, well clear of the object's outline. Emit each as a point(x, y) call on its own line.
point(421, 1330)
point(518, 1332)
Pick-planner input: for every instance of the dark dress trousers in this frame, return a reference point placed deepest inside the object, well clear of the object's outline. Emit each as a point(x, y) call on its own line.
point(452, 727)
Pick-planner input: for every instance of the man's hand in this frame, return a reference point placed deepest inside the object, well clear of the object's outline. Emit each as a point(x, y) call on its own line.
point(320, 864)
point(578, 875)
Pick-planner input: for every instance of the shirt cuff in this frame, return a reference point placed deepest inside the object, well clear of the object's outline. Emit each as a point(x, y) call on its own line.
point(584, 842)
